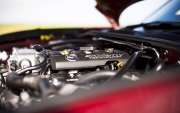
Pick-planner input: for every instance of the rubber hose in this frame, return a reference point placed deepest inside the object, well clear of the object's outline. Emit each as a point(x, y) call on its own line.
point(34, 67)
point(94, 76)
point(128, 64)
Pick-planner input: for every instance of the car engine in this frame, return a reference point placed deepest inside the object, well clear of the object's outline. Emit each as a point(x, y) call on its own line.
point(36, 73)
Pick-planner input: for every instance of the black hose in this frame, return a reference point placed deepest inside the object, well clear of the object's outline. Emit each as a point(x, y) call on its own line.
point(128, 64)
point(159, 65)
point(44, 70)
point(94, 76)
point(109, 74)
point(122, 71)
point(119, 74)
point(34, 67)
point(15, 81)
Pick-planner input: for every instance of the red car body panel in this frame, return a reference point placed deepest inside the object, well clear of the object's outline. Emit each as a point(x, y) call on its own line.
point(157, 95)
point(113, 8)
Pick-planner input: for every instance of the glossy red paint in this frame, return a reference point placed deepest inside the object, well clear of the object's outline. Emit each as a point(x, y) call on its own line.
point(26, 43)
point(112, 9)
point(172, 56)
point(154, 96)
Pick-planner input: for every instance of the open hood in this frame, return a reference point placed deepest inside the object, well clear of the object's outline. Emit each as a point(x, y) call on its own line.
point(113, 8)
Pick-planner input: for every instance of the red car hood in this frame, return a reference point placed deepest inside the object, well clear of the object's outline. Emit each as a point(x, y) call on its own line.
point(112, 9)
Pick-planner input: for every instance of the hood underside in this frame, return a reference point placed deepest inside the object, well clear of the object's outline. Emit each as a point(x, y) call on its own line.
point(112, 9)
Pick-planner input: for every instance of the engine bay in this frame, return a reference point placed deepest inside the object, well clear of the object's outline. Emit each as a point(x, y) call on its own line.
point(36, 73)
point(51, 65)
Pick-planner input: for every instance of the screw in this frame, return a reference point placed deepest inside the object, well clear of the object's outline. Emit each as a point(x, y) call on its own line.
point(166, 52)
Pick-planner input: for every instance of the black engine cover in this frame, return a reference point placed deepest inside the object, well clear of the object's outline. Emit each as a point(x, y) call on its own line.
point(80, 60)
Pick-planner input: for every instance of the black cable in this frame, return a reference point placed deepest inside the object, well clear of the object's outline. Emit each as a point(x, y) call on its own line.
point(3, 81)
point(94, 76)
point(34, 67)
point(128, 64)
point(109, 74)
point(122, 71)
point(37, 45)
point(45, 69)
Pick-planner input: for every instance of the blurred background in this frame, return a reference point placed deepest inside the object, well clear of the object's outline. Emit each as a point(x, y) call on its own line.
point(18, 15)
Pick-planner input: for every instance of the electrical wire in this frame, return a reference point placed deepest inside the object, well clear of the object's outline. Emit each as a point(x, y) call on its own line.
point(44, 62)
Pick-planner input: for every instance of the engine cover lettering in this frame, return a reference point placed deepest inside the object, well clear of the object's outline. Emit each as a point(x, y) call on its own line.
point(81, 60)
point(102, 56)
